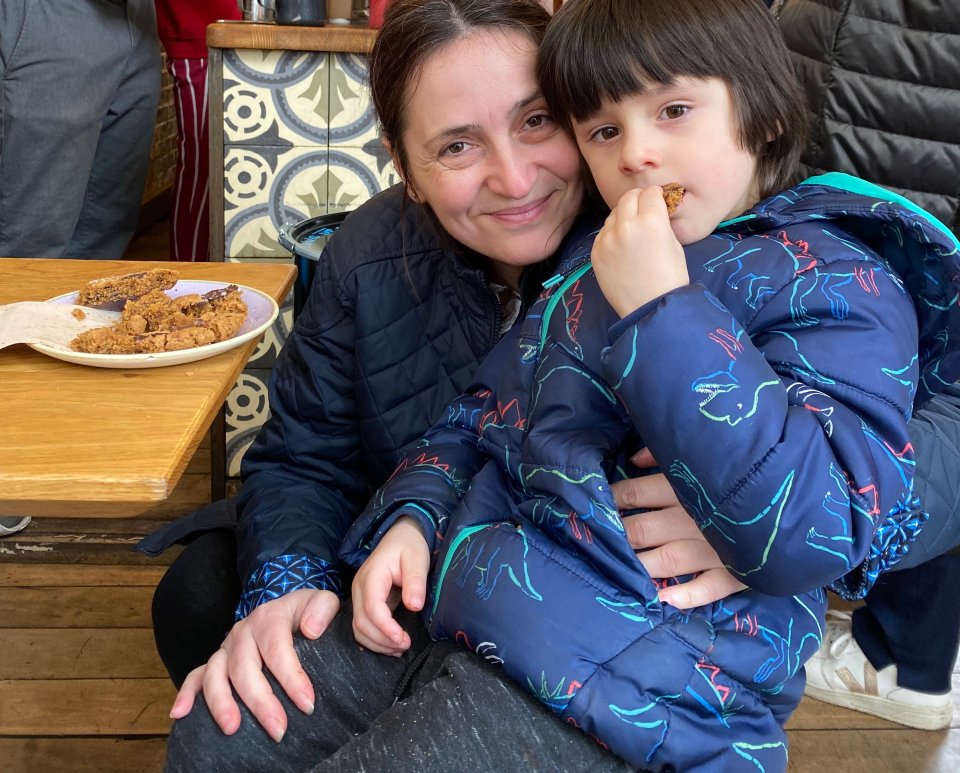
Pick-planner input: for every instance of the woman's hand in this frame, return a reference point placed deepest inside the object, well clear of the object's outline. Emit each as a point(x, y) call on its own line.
point(395, 571)
point(264, 637)
point(636, 256)
point(668, 542)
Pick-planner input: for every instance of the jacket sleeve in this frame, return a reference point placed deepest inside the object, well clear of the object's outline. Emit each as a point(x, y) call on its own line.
point(303, 477)
point(435, 471)
point(789, 445)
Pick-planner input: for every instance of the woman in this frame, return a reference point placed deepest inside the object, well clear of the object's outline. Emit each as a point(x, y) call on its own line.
point(395, 326)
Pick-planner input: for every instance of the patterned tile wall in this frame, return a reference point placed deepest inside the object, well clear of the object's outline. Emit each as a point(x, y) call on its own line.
point(300, 140)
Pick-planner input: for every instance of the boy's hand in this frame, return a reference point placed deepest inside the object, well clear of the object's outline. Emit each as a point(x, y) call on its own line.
point(636, 256)
point(400, 562)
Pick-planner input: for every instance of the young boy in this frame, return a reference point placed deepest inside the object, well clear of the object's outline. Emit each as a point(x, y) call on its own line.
point(760, 342)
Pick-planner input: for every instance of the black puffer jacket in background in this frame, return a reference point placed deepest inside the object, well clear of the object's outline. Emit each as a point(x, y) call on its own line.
point(883, 79)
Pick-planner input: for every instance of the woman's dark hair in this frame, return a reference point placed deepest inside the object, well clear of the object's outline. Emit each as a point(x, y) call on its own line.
point(599, 50)
point(414, 30)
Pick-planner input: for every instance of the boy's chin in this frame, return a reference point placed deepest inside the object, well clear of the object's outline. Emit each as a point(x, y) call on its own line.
point(688, 233)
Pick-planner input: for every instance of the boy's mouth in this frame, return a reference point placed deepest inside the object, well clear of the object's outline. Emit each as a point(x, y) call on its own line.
point(672, 196)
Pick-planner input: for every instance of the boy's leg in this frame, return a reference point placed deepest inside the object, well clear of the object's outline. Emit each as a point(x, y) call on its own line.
point(466, 715)
point(911, 618)
point(111, 203)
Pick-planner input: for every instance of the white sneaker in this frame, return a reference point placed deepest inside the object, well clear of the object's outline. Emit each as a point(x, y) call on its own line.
point(13, 524)
point(839, 673)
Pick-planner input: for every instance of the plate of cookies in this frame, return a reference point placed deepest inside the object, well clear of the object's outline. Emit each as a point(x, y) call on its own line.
point(161, 320)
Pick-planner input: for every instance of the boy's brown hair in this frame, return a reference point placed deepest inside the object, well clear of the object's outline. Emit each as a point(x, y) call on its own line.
point(599, 50)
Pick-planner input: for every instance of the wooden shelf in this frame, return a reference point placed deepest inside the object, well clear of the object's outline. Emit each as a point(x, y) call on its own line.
point(245, 34)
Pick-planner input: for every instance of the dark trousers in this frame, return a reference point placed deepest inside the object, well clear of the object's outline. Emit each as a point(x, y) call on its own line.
point(79, 88)
point(912, 616)
point(912, 619)
point(434, 710)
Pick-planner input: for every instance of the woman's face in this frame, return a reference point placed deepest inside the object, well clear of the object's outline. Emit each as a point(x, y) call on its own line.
point(485, 154)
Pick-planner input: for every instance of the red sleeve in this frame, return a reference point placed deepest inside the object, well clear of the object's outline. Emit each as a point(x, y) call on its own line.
point(182, 24)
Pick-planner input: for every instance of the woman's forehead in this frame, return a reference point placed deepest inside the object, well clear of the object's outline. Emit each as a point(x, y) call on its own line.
point(476, 77)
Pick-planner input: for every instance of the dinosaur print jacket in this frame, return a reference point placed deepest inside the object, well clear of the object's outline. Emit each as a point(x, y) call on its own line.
point(774, 391)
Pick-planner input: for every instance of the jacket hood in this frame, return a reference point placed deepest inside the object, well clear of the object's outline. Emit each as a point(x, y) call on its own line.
point(921, 251)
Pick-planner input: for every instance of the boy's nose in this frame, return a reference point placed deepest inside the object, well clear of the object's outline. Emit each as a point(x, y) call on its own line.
point(638, 154)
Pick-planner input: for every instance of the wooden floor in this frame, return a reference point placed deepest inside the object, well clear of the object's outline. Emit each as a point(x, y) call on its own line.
point(82, 690)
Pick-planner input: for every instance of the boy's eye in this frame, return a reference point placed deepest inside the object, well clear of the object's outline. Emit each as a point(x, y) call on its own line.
point(605, 133)
point(672, 112)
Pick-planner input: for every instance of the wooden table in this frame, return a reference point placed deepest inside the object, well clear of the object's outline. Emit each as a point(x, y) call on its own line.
point(72, 434)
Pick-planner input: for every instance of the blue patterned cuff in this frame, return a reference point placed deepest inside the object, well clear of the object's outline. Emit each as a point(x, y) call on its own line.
point(283, 575)
point(890, 544)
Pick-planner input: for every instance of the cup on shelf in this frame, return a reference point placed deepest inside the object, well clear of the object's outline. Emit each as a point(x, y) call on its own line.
point(305, 13)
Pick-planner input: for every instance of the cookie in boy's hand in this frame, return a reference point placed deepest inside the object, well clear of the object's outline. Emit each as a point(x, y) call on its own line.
point(672, 196)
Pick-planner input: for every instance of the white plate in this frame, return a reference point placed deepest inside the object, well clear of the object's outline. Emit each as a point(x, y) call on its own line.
point(262, 310)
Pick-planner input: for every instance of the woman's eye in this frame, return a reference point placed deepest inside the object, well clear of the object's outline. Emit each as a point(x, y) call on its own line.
point(672, 112)
point(536, 121)
point(454, 149)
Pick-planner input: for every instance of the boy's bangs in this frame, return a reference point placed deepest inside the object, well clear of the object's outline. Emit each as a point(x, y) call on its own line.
point(649, 48)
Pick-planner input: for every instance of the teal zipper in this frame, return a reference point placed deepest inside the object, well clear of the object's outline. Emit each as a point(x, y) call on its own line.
point(555, 299)
point(468, 532)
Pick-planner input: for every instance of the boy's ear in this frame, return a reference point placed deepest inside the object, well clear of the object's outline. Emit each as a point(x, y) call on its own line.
point(410, 191)
point(778, 132)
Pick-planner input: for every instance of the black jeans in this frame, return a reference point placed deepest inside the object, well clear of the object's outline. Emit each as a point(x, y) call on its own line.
point(436, 709)
point(195, 602)
point(912, 616)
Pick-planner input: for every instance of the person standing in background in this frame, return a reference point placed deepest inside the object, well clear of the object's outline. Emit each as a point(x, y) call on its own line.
point(182, 25)
point(883, 81)
point(79, 89)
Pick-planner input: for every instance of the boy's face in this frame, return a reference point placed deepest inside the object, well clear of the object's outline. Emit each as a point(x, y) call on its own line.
point(684, 133)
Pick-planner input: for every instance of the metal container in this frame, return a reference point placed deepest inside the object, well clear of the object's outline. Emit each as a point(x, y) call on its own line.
point(258, 10)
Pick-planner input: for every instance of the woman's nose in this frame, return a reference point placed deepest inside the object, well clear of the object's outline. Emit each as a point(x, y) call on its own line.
point(512, 172)
point(639, 153)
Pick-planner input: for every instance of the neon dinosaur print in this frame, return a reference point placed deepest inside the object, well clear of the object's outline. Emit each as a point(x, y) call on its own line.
point(556, 698)
point(485, 563)
point(748, 752)
point(505, 415)
point(637, 611)
point(573, 305)
point(754, 286)
point(815, 401)
point(720, 395)
point(485, 649)
point(703, 510)
point(657, 721)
